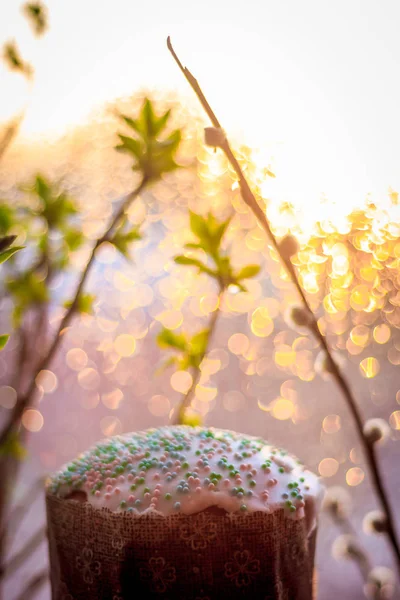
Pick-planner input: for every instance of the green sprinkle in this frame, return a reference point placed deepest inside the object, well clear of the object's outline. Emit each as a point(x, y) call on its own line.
point(292, 508)
point(281, 470)
point(243, 508)
point(140, 480)
point(168, 496)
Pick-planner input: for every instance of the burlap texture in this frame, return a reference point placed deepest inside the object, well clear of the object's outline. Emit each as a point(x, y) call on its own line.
point(100, 555)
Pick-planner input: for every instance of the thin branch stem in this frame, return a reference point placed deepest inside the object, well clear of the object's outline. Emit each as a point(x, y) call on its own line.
point(25, 399)
point(187, 398)
point(250, 199)
point(21, 556)
point(14, 519)
point(9, 134)
point(362, 559)
point(33, 585)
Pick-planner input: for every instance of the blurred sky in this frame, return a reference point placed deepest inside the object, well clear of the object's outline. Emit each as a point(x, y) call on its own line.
point(315, 83)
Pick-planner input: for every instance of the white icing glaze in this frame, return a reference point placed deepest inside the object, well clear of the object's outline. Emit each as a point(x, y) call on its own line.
point(184, 469)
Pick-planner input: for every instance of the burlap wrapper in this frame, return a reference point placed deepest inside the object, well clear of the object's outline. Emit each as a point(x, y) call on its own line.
point(100, 555)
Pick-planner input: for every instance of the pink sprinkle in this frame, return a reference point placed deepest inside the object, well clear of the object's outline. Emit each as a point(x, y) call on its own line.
point(196, 470)
point(226, 482)
point(168, 474)
point(156, 476)
point(242, 467)
point(211, 486)
point(107, 496)
point(177, 462)
point(113, 480)
point(136, 479)
point(121, 478)
point(249, 466)
point(210, 455)
point(130, 477)
point(201, 445)
point(147, 496)
point(108, 488)
point(239, 481)
point(207, 468)
point(158, 486)
point(267, 470)
point(163, 458)
point(117, 491)
point(272, 482)
point(301, 504)
point(131, 498)
point(97, 493)
point(152, 506)
point(196, 481)
point(254, 471)
point(215, 445)
point(178, 469)
point(219, 450)
point(198, 490)
point(142, 474)
point(157, 493)
point(200, 463)
point(154, 500)
point(191, 479)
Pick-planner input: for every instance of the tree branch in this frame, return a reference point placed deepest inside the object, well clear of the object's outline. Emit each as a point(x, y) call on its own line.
point(33, 585)
point(21, 556)
point(14, 519)
point(25, 399)
point(252, 203)
point(187, 398)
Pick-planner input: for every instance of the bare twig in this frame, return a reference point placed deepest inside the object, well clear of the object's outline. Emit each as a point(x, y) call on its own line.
point(24, 400)
point(15, 517)
point(33, 585)
point(362, 559)
point(252, 203)
point(9, 134)
point(178, 418)
point(20, 557)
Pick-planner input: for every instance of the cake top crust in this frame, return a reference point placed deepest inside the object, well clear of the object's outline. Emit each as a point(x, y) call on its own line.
point(189, 469)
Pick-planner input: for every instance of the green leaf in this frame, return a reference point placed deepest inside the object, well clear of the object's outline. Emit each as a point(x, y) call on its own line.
point(168, 339)
point(199, 342)
point(161, 122)
point(248, 272)
point(74, 239)
point(7, 218)
point(6, 242)
point(13, 447)
point(9, 253)
point(194, 262)
point(198, 225)
point(123, 241)
point(191, 419)
point(3, 340)
point(130, 145)
point(84, 304)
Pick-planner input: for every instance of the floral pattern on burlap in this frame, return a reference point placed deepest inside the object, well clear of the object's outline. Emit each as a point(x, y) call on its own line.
point(87, 566)
point(158, 573)
point(199, 532)
point(100, 555)
point(243, 568)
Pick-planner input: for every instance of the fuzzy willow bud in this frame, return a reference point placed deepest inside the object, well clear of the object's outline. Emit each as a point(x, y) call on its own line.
point(289, 246)
point(214, 137)
point(347, 547)
point(375, 522)
point(380, 584)
point(376, 430)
